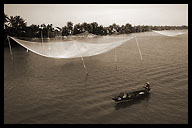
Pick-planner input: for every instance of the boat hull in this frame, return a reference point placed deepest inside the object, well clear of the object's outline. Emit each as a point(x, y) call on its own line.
point(126, 97)
point(130, 99)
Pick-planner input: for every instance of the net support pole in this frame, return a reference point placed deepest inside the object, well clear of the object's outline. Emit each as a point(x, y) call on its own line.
point(115, 59)
point(42, 40)
point(138, 48)
point(11, 52)
point(41, 37)
point(10, 46)
point(84, 66)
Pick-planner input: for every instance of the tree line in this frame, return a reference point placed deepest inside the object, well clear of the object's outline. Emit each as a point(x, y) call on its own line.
point(16, 26)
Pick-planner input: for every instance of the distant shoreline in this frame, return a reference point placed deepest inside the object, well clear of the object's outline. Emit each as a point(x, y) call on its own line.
point(80, 36)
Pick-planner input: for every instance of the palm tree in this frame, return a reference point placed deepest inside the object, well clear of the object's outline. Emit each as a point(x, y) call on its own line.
point(18, 26)
point(6, 21)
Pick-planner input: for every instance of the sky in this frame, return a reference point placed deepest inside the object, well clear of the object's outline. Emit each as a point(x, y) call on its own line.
point(103, 14)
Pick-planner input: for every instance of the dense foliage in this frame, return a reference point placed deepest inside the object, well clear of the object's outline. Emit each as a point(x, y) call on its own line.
point(17, 26)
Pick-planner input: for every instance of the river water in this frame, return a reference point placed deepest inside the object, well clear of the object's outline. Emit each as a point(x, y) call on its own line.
point(40, 90)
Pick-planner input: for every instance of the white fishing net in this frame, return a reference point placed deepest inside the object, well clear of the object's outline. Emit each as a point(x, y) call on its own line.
point(77, 48)
point(170, 33)
point(69, 49)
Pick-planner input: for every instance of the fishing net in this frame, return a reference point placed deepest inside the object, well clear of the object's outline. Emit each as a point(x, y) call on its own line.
point(77, 48)
point(169, 33)
point(69, 49)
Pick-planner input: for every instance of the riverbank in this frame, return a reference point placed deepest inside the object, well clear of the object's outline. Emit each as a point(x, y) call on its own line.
point(80, 36)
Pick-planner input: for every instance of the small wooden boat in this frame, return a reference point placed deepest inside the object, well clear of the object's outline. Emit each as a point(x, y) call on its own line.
point(131, 95)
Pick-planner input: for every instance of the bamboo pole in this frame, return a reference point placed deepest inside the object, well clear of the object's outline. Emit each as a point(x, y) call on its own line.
point(138, 48)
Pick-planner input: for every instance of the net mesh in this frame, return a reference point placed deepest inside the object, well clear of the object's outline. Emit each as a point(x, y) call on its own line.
point(69, 49)
point(169, 32)
point(77, 48)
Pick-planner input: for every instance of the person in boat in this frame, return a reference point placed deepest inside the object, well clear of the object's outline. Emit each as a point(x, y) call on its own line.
point(147, 86)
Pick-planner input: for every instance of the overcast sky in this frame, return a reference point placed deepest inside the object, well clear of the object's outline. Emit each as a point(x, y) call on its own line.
point(103, 14)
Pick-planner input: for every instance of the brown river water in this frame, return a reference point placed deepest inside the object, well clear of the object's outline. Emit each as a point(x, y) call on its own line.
point(40, 90)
